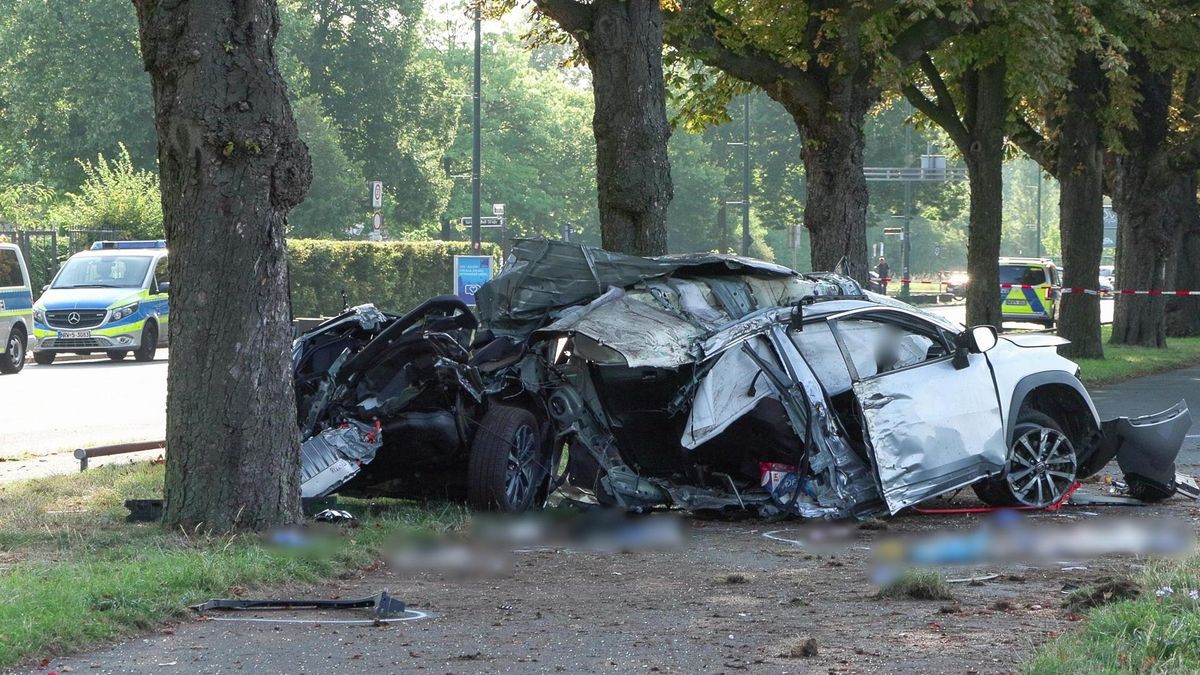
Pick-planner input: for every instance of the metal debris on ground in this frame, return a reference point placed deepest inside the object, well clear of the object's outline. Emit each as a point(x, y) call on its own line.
point(383, 605)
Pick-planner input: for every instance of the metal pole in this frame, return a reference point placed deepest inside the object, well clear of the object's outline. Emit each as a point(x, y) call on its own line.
point(475, 153)
point(904, 245)
point(1038, 248)
point(746, 178)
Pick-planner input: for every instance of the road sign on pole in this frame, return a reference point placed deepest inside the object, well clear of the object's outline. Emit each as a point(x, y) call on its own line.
point(497, 209)
point(376, 194)
point(484, 221)
point(377, 221)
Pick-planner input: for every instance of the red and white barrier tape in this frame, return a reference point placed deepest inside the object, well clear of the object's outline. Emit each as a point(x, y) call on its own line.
point(1069, 289)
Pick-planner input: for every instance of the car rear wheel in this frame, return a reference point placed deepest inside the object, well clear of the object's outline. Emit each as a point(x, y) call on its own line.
point(118, 355)
point(508, 461)
point(43, 358)
point(1041, 465)
point(149, 345)
point(13, 359)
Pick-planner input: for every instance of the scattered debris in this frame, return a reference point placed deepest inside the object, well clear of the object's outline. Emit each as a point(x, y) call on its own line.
point(803, 649)
point(917, 585)
point(1082, 599)
point(383, 604)
point(734, 578)
point(1003, 605)
point(973, 580)
point(335, 516)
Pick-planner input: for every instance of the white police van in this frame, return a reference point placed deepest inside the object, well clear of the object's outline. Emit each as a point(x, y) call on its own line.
point(16, 309)
point(111, 299)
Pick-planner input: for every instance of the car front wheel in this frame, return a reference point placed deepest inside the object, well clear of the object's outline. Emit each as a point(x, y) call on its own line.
point(13, 359)
point(1041, 465)
point(145, 351)
point(508, 463)
point(43, 358)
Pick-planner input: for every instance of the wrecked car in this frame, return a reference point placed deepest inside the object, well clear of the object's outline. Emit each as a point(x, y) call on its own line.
point(704, 382)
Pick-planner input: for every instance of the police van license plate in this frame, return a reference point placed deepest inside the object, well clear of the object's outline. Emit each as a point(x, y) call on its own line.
point(1018, 303)
point(74, 334)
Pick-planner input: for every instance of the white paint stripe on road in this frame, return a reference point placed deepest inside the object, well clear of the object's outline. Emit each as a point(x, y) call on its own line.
point(416, 614)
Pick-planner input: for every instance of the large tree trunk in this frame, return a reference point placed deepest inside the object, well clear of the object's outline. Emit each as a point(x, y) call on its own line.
point(1080, 173)
point(1139, 178)
point(232, 166)
point(1183, 213)
point(835, 211)
point(623, 48)
point(985, 166)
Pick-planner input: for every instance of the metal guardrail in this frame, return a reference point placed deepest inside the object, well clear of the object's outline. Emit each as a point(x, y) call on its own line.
point(84, 454)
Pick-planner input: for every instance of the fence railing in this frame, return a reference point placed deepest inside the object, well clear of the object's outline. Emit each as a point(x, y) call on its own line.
point(42, 253)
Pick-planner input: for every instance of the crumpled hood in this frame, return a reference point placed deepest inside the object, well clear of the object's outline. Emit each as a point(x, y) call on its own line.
point(86, 298)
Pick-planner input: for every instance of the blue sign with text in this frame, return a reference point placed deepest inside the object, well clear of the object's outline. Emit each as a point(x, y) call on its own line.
point(471, 272)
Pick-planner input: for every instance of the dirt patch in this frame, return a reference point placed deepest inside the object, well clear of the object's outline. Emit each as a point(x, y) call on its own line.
point(1102, 593)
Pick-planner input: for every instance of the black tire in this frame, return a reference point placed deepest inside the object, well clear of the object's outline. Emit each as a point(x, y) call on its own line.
point(1040, 451)
point(43, 358)
point(13, 359)
point(507, 465)
point(149, 345)
point(118, 355)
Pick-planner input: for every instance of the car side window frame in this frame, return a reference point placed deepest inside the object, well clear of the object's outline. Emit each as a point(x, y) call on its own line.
point(161, 262)
point(910, 323)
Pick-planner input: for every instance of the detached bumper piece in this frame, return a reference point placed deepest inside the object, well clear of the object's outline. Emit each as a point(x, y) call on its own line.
point(1146, 448)
point(383, 604)
point(334, 456)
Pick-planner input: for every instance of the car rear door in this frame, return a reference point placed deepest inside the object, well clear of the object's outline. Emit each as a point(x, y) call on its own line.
point(929, 427)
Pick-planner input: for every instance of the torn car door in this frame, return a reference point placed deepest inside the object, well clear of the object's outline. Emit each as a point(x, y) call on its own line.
point(929, 427)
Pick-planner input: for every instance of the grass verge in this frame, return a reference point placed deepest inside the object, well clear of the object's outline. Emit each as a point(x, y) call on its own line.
point(1121, 362)
point(73, 573)
point(1157, 633)
point(914, 584)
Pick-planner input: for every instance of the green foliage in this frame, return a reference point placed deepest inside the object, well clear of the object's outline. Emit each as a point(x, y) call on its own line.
point(538, 153)
point(115, 195)
point(73, 85)
point(394, 109)
point(395, 276)
point(24, 205)
point(75, 574)
point(338, 197)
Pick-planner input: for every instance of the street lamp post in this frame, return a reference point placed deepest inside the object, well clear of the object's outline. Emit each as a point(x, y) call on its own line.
point(745, 203)
point(475, 135)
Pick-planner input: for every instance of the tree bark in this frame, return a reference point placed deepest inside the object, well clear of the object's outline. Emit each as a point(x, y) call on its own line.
point(1079, 168)
point(1183, 214)
point(232, 166)
point(986, 107)
point(1143, 240)
point(622, 41)
point(835, 212)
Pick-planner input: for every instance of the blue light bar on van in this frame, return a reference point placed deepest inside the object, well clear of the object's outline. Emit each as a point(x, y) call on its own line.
point(149, 243)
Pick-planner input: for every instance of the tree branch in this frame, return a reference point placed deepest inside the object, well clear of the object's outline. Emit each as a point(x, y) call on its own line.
point(572, 16)
point(698, 38)
point(1033, 143)
point(922, 37)
point(946, 118)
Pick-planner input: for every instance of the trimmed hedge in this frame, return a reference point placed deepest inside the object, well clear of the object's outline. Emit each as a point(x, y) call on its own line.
point(393, 275)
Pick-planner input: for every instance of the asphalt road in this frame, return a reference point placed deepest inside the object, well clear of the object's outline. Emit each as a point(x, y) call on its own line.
point(958, 313)
point(72, 404)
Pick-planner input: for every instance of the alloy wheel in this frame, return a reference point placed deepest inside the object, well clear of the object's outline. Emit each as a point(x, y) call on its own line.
point(1042, 466)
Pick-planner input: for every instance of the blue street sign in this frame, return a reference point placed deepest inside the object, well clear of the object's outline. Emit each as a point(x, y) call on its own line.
point(471, 272)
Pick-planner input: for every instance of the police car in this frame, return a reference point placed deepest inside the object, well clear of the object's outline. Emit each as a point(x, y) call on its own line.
point(111, 299)
point(1029, 289)
point(16, 309)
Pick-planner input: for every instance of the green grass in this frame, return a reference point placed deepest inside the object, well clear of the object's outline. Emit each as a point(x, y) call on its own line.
point(1122, 363)
point(915, 584)
point(73, 573)
point(1147, 635)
